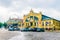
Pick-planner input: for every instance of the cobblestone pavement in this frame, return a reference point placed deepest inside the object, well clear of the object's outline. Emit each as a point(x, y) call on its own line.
point(17, 35)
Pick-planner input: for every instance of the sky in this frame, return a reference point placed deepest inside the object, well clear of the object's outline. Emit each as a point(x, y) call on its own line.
point(18, 8)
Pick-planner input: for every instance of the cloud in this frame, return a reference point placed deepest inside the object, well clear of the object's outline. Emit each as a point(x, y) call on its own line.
point(41, 1)
point(53, 13)
point(5, 3)
point(18, 8)
point(5, 13)
point(21, 4)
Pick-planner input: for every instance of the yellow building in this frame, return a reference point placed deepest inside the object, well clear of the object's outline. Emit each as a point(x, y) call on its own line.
point(40, 21)
point(20, 24)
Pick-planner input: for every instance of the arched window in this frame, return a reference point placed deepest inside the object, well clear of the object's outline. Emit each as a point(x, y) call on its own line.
point(42, 23)
point(31, 17)
point(27, 19)
point(47, 23)
point(35, 18)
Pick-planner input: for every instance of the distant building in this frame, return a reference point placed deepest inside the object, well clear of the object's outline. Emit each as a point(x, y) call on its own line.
point(38, 20)
point(15, 21)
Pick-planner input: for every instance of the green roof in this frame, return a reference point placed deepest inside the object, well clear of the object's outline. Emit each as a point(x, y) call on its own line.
point(44, 17)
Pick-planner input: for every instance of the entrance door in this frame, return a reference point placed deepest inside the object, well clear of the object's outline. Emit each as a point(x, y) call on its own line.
point(36, 24)
point(31, 23)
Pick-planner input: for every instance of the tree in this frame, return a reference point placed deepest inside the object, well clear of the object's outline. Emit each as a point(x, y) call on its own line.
point(5, 25)
point(1, 24)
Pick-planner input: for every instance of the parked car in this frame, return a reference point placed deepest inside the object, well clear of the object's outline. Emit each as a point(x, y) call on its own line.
point(13, 27)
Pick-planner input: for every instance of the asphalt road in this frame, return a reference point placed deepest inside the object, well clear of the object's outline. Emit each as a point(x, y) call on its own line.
point(17, 35)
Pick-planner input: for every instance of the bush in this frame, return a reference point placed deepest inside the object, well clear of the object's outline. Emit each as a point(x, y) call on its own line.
point(1, 25)
point(5, 25)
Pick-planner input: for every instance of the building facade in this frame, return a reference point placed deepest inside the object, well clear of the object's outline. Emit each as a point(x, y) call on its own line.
point(38, 20)
point(14, 24)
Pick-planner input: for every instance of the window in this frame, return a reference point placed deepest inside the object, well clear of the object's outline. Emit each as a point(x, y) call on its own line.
point(31, 17)
point(35, 23)
point(42, 23)
point(35, 18)
point(31, 23)
point(27, 20)
point(47, 23)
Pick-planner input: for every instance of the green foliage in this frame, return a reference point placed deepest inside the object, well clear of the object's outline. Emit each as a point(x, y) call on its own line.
point(1, 24)
point(5, 25)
